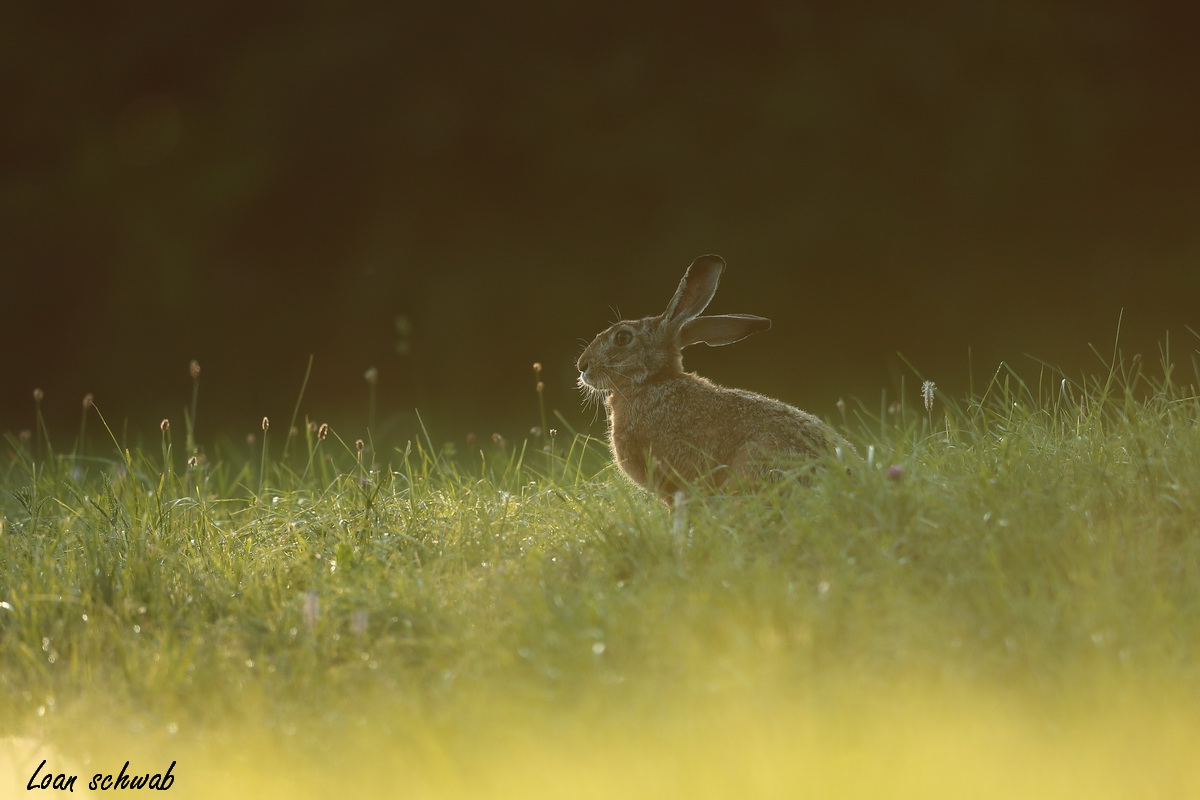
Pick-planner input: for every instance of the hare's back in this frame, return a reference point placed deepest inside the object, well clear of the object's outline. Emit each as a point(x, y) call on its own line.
point(778, 426)
point(741, 418)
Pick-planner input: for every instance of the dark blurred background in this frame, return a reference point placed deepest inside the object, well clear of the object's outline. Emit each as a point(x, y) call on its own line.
point(450, 192)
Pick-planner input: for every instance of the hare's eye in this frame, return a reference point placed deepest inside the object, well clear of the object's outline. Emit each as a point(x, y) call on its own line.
point(623, 338)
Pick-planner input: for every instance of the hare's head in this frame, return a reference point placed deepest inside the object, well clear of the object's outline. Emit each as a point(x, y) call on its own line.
point(636, 352)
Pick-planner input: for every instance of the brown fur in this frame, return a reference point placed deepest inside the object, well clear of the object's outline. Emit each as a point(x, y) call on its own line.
point(669, 429)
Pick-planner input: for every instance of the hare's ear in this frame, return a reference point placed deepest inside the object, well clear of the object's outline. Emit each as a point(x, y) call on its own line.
point(695, 291)
point(719, 330)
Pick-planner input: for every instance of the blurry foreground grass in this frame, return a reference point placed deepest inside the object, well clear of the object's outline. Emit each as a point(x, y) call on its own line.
point(1002, 601)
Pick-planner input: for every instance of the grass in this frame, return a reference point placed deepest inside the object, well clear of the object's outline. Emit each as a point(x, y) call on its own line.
point(1000, 601)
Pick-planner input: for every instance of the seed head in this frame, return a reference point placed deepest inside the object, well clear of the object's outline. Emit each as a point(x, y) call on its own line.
point(194, 369)
point(165, 425)
point(322, 431)
point(927, 390)
point(38, 394)
point(371, 376)
point(88, 401)
point(537, 368)
point(266, 423)
point(193, 461)
point(359, 445)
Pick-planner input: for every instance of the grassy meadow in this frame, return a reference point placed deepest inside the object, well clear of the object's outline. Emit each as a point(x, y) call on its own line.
point(1001, 600)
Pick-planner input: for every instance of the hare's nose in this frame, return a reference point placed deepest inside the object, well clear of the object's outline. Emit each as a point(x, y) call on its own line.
point(582, 363)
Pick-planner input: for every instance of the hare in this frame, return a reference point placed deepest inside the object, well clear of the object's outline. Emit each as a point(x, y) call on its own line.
point(669, 429)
